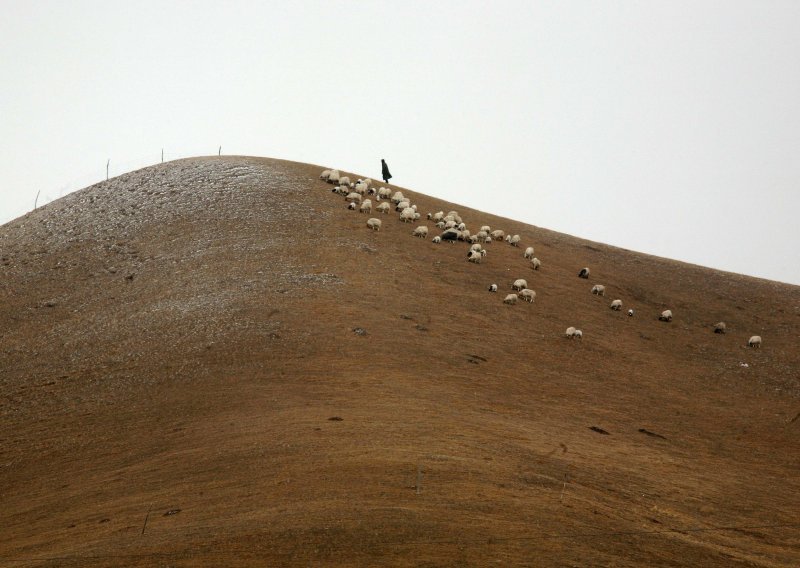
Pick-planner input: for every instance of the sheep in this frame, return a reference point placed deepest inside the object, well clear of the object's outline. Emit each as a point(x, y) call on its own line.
point(483, 252)
point(340, 190)
point(449, 224)
point(374, 224)
point(437, 239)
point(353, 197)
point(473, 239)
point(333, 177)
point(361, 188)
point(511, 299)
point(535, 263)
point(366, 206)
point(578, 334)
point(481, 235)
point(407, 215)
point(527, 294)
point(630, 313)
point(492, 287)
point(528, 252)
point(450, 235)
point(461, 227)
point(720, 327)
point(666, 315)
point(599, 290)
point(487, 240)
point(416, 215)
point(754, 342)
point(402, 205)
point(397, 197)
point(438, 216)
point(474, 256)
point(383, 207)
point(497, 234)
point(519, 284)
point(465, 235)
point(344, 181)
point(486, 228)
point(384, 193)
point(476, 247)
point(447, 218)
point(325, 175)
point(421, 232)
point(351, 206)
point(570, 333)
point(513, 241)
point(584, 273)
point(454, 214)
point(616, 305)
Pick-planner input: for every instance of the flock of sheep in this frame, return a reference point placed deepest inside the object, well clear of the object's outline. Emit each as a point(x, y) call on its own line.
point(358, 196)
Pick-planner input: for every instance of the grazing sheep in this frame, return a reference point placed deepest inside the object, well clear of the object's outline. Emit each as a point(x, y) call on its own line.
point(440, 225)
point(513, 241)
point(421, 232)
point(366, 206)
point(666, 315)
point(461, 227)
point(511, 299)
point(630, 313)
point(333, 177)
point(416, 215)
point(407, 215)
point(384, 193)
point(519, 284)
point(474, 256)
point(449, 224)
point(344, 181)
point(493, 288)
point(616, 305)
point(450, 235)
point(361, 188)
point(374, 224)
point(352, 206)
point(486, 228)
point(527, 294)
point(402, 205)
point(578, 334)
point(437, 239)
point(535, 263)
point(570, 333)
point(481, 235)
point(325, 175)
point(529, 252)
point(584, 273)
point(497, 235)
point(383, 207)
point(353, 197)
point(754, 342)
point(487, 240)
point(476, 247)
point(438, 216)
point(473, 239)
point(397, 197)
point(465, 235)
point(599, 289)
point(720, 327)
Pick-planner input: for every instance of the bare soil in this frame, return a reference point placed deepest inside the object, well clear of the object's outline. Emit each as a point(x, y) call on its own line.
point(182, 385)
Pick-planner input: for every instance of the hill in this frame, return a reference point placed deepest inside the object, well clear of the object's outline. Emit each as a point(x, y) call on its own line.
point(213, 362)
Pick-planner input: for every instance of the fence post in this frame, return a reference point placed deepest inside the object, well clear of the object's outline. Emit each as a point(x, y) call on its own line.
point(108, 162)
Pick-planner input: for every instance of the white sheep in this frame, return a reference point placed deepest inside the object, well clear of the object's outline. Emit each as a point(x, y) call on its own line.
point(473, 239)
point(599, 290)
point(584, 273)
point(666, 315)
point(465, 235)
point(437, 239)
point(616, 305)
point(397, 197)
point(578, 334)
point(481, 235)
point(361, 188)
point(352, 206)
point(528, 252)
point(754, 342)
point(476, 247)
point(383, 207)
point(720, 327)
point(384, 193)
point(527, 294)
point(449, 224)
point(438, 216)
point(487, 240)
point(513, 240)
point(374, 224)
point(366, 206)
point(353, 197)
point(407, 215)
point(519, 284)
point(344, 181)
point(492, 287)
point(325, 175)
point(474, 256)
point(402, 205)
point(570, 333)
point(630, 313)
point(421, 232)
point(461, 227)
point(511, 299)
point(333, 177)
point(486, 228)
point(536, 263)
point(498, 235)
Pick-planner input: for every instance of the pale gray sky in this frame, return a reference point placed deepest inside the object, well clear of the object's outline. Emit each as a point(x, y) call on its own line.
point(671, 128)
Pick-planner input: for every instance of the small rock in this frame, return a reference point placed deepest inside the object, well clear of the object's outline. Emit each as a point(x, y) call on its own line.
point(359, 331)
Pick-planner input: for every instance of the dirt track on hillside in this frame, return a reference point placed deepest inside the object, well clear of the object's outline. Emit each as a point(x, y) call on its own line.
point(182, 386)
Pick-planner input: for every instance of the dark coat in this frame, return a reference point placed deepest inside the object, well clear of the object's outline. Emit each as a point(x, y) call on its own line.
point(385, 171)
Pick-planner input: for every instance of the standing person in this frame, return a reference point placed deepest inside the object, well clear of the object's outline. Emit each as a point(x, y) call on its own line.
point(385, 171)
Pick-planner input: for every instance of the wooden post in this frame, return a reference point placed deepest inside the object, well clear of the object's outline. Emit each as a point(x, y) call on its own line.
point(35, 201)
point(108, 162)
point(162, 155)
point(220, 151)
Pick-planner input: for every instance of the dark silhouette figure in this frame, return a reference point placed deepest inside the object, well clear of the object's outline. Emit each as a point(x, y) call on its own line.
point(385, 171)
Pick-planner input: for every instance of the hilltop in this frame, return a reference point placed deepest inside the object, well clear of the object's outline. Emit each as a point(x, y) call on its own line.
point(183, 384)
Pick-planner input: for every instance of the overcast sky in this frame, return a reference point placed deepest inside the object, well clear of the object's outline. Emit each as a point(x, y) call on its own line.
point(671, 128)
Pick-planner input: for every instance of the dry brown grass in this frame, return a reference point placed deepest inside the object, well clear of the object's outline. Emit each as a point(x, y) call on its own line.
point(179, 338)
